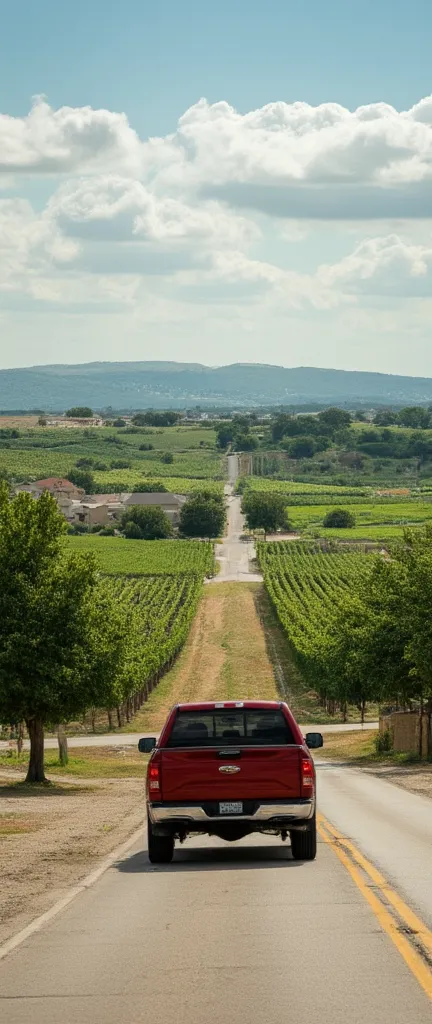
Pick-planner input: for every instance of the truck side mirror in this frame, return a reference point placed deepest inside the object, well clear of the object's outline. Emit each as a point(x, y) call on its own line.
point(146, 745)
point(314, 740)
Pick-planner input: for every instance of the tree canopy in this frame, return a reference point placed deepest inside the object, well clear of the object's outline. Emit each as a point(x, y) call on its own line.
point(145, 522)
point(63, 641)
point(203, 515)
point(79, 412)
point(264, 511)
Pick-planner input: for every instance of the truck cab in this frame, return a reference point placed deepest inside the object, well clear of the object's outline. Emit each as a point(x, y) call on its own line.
point(229, 769)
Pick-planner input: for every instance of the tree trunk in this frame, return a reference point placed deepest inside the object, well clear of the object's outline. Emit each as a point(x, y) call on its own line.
point(110, 718)
point(119, 717)
point(36, 771)
point(363, 709)
point(20, 738)
point(62, 745)
point(93, 719)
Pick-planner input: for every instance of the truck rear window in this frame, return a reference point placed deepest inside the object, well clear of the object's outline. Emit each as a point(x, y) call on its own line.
point(230, 728)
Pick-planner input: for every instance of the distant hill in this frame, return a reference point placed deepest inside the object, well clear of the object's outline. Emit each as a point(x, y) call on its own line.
point(182, 385)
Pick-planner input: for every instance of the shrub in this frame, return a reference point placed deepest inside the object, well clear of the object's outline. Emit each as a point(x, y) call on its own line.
point(168, 458)
point(120, 464)
point(119, 422)
point(339, 518)
point(146, 447)
point(384, 741)
point(146, 522)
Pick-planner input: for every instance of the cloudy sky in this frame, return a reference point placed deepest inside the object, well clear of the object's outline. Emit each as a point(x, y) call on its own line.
point(217, 182)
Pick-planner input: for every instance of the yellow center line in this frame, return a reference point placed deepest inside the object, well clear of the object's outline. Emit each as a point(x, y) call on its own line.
point(422, 932)
point(414, 961)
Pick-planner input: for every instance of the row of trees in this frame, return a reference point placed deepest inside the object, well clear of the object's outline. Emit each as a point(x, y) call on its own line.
point(378, 645)
point(65, 644)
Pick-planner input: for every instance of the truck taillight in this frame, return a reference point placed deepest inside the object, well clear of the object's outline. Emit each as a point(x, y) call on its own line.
point(154, 778)
point(307, 776)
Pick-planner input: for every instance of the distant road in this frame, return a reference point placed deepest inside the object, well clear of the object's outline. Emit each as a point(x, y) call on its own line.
point(130, 739)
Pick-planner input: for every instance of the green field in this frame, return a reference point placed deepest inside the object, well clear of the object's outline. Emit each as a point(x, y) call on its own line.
point(262, 483)
point(117, 556)
point(394, 513)
point(39, 452)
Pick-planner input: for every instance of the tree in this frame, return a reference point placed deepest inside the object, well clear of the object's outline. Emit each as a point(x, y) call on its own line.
point(79, 412)
point(150, 520)
point(302, 448)
point(156, 419)
point(245, 442)
point(119, 422)
point(84, 479)
point(148, 487)
point(62, 638)
point(386, 418)
point(203, 515)
point(334, 418)
point(224, 435)
point(264, 511)
point(415, 416)
point(339, 518)
point(42, 422)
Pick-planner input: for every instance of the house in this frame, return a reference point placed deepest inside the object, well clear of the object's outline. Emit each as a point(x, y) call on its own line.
point(90, 514)
point(62, 490)
point(170, 503)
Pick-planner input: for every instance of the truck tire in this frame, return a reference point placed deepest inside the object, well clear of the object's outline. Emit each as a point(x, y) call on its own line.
point(160, 848)
point(304, 844)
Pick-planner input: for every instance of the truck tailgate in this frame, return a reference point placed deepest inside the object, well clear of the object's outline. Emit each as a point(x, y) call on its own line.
point(264, 773)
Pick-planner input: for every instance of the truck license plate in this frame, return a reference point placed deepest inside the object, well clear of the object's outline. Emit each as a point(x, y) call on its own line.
point(230, 807)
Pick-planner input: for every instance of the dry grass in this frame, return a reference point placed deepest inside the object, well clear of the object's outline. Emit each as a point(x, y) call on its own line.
point(86, 763)
point(17, 824)
point(18, 421)
point(353, 746)
point(225, 657)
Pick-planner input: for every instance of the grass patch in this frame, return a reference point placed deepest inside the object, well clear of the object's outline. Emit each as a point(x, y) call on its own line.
point(360, 747)
point(16, 825)
point(87, 762)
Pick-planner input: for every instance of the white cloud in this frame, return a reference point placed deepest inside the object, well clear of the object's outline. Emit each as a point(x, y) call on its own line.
point(71, 139)
point(383, 265)
point(125, 209)
point(295, 160)
point(29, 244)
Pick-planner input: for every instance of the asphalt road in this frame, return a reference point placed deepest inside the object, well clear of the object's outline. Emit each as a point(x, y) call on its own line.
point(392, 826)
point(224, 935)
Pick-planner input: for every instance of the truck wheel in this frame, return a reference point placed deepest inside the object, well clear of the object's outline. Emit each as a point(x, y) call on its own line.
point(160, 848)
point(304, 844)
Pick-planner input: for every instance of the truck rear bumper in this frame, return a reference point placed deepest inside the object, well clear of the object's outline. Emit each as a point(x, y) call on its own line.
point(273, 813)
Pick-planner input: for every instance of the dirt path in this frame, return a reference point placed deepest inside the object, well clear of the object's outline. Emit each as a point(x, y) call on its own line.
point(224, 658)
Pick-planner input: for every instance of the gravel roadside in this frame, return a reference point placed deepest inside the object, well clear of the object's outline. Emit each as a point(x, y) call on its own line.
point(52, 838)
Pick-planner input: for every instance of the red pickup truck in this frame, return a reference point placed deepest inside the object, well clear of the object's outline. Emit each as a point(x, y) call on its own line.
point(228, 769)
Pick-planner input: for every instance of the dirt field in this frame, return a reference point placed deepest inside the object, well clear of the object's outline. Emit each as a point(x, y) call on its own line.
point(18, 421)
point(50, 838)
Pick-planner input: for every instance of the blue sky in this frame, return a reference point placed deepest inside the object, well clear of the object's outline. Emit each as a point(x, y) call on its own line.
point(285, 236)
